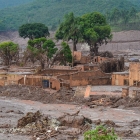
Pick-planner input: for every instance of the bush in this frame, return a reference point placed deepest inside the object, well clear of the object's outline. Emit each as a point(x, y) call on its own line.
point(100, 133)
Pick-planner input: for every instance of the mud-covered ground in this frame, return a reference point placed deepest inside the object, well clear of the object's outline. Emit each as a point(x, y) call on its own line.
point(123, 114)
point(65, 96)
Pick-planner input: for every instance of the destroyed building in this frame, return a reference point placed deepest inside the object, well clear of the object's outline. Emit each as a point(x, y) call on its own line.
point(87, 71)
point(128, 78)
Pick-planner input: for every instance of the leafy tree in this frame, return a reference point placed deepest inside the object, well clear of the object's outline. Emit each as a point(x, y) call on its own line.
point(100, 133)
point(95, 30)
point(69, 29)
point(41, 50)
point(115, 15)
point(9, 51)
point(33, 30)
point(133, 13)
point(65, 54)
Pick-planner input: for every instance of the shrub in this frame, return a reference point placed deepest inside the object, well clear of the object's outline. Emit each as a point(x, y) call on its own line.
point(100, 133)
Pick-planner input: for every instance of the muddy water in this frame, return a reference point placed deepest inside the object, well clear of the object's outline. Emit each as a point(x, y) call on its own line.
point(20, 107)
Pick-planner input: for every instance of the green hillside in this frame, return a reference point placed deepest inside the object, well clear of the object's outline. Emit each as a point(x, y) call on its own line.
point(11, 3)
point(136, 2)
point(51, 12)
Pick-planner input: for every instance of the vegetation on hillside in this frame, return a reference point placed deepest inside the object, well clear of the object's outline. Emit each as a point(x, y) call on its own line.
point(135, 2)
point(124, 19)
point(51, 12)
point(12, 3)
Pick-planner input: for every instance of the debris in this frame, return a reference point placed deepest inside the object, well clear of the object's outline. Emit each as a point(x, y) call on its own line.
point(42, 127)
point(39, 94)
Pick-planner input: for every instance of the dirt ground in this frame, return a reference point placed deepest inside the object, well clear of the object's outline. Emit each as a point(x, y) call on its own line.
point(16, 101)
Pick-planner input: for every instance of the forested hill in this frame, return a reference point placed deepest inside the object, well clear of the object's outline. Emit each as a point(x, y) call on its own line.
point(12, 3)
point(51, 12)
point(136, 2)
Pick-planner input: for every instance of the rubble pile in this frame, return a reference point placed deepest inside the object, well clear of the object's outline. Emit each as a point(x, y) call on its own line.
point(106, 54)
point(107, 123)
point(66, 96)
point(113, 101)
point(119, 130)
point(112, 65)
point(44, 127)
point(38, 94)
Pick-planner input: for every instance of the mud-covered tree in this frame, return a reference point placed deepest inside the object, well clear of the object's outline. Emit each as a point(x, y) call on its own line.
point(33, 30)
point(95, 30)
point(9, 52)
point(65, 54)
point(69, 29)
point(41, 50)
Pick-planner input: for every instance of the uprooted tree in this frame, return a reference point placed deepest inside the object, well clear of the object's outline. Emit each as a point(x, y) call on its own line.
point(9, 52)
point(95, 31)
point(33, 30)
point(41, 50)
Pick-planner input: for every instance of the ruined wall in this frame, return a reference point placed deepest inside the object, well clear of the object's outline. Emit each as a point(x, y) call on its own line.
point(2, 82)
point(79, 67)
point(112, 65)
point(32, 80)
point(55, 72)
point(85, 60)
point(61, 67)
point(134, 74)
point(9, 79)
point(64, 77)
point(90, 78)
point(90, 67)
point(98, 59)
point(77, 55)
point(55, 84)
point(120, 79)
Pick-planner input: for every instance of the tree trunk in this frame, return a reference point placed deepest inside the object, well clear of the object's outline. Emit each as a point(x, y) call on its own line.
point(91, 50)
point(42, 64)
point(74, 46)
point(96, 51)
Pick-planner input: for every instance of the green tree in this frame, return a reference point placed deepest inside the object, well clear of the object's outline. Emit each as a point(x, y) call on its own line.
point(95, 31)
point(133, 13)
point(63, 56)
point(9, 52)
point(100, 133)
point(33, 30)
point(65, 53)
point(115, 15)
point(41, 50)
point(69, 29)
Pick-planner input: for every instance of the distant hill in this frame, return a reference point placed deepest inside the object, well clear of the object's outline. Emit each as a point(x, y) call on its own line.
point(135, 2)
point(11, 3)
point(51, 12)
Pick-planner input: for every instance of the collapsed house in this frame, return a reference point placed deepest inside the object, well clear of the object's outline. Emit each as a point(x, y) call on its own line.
point(87, 70)
point(128, 78)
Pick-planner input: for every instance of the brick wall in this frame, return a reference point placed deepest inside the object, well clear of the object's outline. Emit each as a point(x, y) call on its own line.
point(120, 79)
point(55, 72)
point(134, 74)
